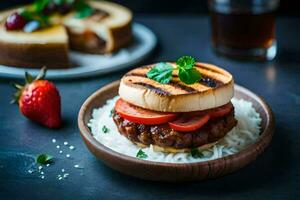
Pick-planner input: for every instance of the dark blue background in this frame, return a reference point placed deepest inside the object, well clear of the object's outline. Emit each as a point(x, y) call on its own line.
point(287, 7)
point(274, 175)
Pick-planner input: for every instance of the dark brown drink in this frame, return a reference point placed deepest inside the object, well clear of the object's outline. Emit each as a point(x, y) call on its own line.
point(244, 29)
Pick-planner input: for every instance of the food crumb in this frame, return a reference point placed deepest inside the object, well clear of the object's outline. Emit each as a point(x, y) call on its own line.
point(66, 143)
point(71, 147)
point(57, 146)
point(60, 151)
point(68, 155)
point(53, 140)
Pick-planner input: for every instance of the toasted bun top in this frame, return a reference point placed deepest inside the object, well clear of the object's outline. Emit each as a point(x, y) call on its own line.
point(213, 90)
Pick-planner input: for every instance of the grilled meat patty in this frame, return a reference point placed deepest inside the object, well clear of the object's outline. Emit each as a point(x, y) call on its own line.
point(162, 135)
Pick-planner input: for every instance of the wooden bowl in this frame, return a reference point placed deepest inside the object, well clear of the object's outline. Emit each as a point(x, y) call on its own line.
point(160, 171)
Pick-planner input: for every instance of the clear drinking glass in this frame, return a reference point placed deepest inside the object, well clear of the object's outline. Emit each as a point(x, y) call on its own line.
point(244, 28)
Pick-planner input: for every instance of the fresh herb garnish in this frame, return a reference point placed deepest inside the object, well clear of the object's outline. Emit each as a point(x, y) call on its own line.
point(187, 73)
point(195, 153)
point(112, 111)
point(39, 5)
point(34, 12)
point(161, 72)
point(83, 9)
point(141, 154)
point(105, 129)
point(40, 10)
point(186, 62)
point(189, 76)
point(44, 159)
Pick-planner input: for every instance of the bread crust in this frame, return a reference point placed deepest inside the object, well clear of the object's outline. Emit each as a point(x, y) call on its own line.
point(112, 33)
point(138, 90)
point(34, 55)
point(119, 34)
point(50, 48)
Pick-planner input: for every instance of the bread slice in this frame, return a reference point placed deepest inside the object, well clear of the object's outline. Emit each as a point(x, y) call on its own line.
point(46, 47)
point(176, 96)
point(106, 31)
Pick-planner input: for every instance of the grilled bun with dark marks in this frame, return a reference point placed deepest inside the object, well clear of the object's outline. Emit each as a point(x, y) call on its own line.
point(214, 89)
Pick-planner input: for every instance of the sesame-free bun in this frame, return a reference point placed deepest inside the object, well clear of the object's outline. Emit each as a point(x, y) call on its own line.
point(213, 90)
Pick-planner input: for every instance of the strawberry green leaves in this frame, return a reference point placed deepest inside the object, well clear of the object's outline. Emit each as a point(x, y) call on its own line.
point(187, 73)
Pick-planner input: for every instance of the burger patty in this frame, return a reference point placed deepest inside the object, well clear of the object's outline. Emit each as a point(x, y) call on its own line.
point(163, 136)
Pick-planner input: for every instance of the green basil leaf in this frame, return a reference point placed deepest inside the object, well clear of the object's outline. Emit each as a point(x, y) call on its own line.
point(161, 72)
point(26, 14)
point(83, 9)
point(189, 76)
point(35, 16)
point(39, 5)
point(44, 159)
point(186, 62)
point(141, 154)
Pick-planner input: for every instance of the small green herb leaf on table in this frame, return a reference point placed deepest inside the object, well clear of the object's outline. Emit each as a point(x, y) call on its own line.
point(44, 159)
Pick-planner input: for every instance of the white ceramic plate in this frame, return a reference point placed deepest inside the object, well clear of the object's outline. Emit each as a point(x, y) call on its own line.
point(90, 65)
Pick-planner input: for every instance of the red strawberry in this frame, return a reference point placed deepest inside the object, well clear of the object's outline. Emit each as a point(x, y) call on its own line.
point(39, 100)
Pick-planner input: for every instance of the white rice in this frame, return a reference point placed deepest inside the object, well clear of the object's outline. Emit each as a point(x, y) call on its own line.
point(245, 133)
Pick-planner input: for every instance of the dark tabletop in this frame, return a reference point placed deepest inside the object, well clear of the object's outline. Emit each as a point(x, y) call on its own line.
point(274, 175)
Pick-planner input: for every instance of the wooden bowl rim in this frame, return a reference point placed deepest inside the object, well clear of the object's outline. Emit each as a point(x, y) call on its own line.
point(86, 133)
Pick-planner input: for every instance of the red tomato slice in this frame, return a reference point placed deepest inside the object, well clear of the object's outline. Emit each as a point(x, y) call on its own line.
point(187, 123)
point(220, 111)
point(142, 116)
point(214, 112)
